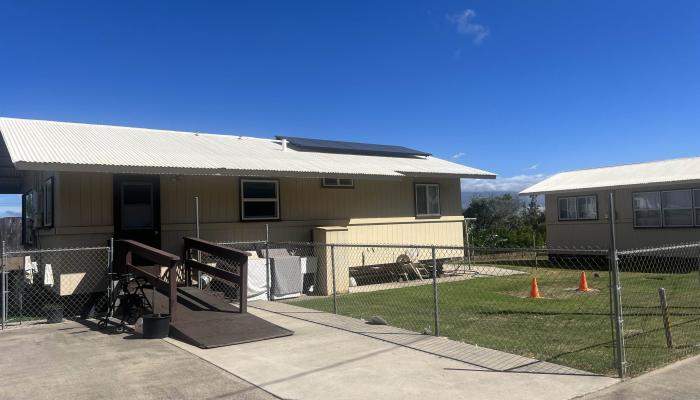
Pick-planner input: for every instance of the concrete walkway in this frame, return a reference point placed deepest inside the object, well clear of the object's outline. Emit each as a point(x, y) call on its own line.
point(678, 381)
point(73, 361)
point(321, 362)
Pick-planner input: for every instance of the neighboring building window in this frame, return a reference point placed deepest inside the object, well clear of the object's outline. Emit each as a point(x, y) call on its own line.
point(337, 182)
point(567, 208)
point(647, 209)
point(259, 199)
point(28, 211)
point(427, 200)
point(47, 202)
point(677, 208)
point(578, 208)
point(696, 202)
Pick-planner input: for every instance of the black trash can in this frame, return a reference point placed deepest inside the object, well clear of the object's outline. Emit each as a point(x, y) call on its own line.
point(156, 326)
point(54, 313)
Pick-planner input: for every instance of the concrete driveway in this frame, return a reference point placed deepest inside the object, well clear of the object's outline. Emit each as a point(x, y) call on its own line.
point(321, 361)
point(678, 381)
point(73, 361)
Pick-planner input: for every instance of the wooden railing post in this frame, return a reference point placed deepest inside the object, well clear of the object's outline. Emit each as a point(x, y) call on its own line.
point(232, 255)
point(173, 291)
point(243, 285)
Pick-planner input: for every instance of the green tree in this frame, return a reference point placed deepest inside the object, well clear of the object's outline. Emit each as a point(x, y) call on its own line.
point(506, 221)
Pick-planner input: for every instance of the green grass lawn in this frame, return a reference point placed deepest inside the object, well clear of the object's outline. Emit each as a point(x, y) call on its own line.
point(565, 327)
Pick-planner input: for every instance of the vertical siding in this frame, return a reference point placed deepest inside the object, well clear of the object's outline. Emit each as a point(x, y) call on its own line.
point(84, 200)
point(375, 210)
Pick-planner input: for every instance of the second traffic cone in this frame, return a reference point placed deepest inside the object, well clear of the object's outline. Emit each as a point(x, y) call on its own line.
point(534, 290)
point(583, 283)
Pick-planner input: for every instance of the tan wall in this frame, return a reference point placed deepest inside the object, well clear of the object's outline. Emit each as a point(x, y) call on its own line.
point(597, 233)
point(375, 211)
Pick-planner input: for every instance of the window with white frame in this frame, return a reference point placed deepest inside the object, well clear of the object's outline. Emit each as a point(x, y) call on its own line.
point(647, 209)
point(677, 208)
point(47, 203)
point(427, 200)
point(337, 182)
point(578, 208)
point(259, 199)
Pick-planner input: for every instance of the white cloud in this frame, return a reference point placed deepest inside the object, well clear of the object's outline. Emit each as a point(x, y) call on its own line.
point(458, 155)
point(465, 25)
point(512, 184)
point(531, 167)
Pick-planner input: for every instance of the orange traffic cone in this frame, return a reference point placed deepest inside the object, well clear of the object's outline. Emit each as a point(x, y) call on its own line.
point(583, 283)
point(534, 290)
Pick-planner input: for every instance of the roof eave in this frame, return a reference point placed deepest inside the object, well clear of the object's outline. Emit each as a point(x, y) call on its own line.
point(530, 191)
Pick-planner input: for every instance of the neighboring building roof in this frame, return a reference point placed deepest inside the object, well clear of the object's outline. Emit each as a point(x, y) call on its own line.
point(63, 146)
point(657, 172)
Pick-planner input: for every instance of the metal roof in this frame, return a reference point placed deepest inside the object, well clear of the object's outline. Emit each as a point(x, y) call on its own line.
point(334, 146)
point(64, 146)
point(631, 175)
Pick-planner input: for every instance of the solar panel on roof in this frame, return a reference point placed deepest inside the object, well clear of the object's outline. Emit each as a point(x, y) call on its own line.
point(335, 146)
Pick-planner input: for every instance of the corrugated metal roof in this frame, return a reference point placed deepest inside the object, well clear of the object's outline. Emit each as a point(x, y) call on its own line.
point(64, 146)
point(657, 172)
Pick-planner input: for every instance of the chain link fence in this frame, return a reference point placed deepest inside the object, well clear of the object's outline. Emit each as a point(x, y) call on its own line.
point(610, 313)
point(557, 306)
point(660, 305)
point(50, 284)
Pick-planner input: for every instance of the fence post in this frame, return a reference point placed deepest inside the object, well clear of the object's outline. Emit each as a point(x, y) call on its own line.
point(664, 315)
point(615, 295)
point(335, 300)
point(110, 272)
point(267, 261)
point(697, 261)
point(3, 281)
point(436, 308)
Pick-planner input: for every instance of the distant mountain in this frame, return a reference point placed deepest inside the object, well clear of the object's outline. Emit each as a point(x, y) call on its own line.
point(468, 196)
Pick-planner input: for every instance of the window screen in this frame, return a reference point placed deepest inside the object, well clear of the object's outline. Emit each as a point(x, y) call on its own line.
point(677, 208)
point(647, 209)
point(427, 199)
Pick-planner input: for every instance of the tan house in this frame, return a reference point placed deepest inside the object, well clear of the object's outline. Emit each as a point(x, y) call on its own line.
point(83, 184)
point(656, 203)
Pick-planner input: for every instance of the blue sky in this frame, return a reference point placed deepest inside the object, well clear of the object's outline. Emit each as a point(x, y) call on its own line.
point(520, 88)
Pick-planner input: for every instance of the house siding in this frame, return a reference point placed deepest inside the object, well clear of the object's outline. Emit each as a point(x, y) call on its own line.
point(375, 211)
point(597, 233)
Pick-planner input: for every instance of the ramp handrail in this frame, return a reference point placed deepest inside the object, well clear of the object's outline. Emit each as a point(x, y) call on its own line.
point(123, 259)
point(227, 253)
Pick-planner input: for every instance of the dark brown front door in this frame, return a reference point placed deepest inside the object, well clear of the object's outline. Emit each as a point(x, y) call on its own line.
point(137, 208)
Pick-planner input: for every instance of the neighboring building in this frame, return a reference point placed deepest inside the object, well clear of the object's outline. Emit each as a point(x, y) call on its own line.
point(83, 184)
point(656, 203)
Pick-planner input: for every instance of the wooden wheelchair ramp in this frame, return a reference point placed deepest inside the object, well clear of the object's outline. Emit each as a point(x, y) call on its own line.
point(207, 320)
point(202, 318)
